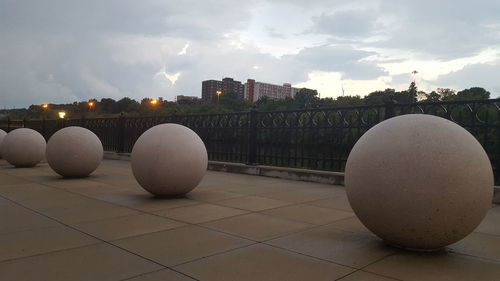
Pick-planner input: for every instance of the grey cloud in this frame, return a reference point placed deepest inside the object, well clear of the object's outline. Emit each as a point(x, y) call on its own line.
point(475, 75)
point(344, 59)
point(347, 24)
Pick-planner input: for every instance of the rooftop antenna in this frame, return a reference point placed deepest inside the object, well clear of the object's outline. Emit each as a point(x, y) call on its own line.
point(414, 73)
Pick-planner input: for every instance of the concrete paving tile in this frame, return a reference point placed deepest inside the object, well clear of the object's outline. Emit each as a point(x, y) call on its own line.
point(253, 203)
point(148, 203)
point(122, 227)
point(297, 196)
point(165, 275)
point(10, 180)
point(479, 245)
point(41, 240)
point(208, 195)
point(439, 266)
point(180, 245)
point(200, 213)
point(347, 248)
point(14, 218)
point(263, 263)
point(75, 183)
point(91, 210)
point(257, 227)
point(309, 214)
point(337, 202)
point(365, 276)
point(38, 196)
point(490, 224)
point(96, 262)
point(352, 224)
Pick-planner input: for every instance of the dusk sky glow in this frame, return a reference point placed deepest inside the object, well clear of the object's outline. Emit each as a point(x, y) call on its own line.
point(59, 51)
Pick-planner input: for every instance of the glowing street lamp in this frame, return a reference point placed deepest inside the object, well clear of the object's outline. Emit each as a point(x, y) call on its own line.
point(45, 106)
point(91, 104)
point(61, 114)
point(218, 95)
point(153, 102)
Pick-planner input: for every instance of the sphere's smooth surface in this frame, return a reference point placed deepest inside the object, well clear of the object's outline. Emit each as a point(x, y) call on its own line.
point(169, 160)
point(23, 147)
point(74, 152)
point(2, 135)
point(419, 181)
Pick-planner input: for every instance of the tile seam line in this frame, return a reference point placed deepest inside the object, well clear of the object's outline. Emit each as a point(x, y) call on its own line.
point(75, 229)
point(95, 237)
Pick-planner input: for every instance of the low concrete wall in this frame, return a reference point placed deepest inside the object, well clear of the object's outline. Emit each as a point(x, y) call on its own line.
point(275, 172)
point(267, 171)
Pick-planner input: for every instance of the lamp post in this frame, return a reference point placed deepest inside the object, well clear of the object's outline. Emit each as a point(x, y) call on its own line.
point(44, 107)
point(61, 115)
point(91, 105)
point(218, 95)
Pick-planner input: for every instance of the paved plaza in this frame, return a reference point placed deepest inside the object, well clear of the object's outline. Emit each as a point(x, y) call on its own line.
point(232, 227)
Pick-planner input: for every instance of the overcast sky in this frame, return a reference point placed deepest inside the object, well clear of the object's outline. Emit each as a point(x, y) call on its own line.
point(57, 51)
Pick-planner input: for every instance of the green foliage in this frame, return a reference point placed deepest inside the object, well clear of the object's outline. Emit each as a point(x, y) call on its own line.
point(230, 102)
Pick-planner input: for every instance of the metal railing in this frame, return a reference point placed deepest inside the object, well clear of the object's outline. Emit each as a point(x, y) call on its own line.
point(311, 138)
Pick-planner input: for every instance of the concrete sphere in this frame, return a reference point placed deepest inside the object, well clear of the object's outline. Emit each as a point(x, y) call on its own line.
point(74, 152)
point(419, 182)
point(23, 147)
point(2, 135)
point(169, 160)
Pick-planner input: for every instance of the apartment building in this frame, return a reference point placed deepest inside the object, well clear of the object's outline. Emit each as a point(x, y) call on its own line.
point(255, 90)
point(211, 90)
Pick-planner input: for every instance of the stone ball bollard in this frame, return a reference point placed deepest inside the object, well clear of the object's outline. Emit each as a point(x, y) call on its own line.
point(2, 135)
point(74, 152)
point(419, 182)
point(23, 147)
point(169, 160)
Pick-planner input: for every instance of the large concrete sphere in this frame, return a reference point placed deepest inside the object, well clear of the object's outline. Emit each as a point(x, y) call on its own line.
point(74, 152)
point(23, 147)
point(419, 182)
point(169, 160)
point(2, 135)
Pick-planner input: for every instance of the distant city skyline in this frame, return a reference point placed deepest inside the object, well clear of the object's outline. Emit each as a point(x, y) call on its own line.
point(58, 51)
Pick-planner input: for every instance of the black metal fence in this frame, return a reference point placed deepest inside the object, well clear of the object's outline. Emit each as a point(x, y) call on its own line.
point(313, 138)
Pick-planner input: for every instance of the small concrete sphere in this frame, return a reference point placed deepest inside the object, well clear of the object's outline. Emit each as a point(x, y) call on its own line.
point(74, 152)
point(23, 147)
point(169, 160)
point(419, 182)
point(2, 135)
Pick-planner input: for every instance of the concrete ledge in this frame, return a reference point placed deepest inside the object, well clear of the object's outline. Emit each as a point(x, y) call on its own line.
point(267, 171)
point(279, 172)
point(111, 155)
point(336, 178)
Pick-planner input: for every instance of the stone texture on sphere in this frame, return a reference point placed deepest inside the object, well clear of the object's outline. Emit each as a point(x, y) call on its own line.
point(74, 152)
point(419, 181)
point(169, 160)
point(23, 147)
point(2, 135)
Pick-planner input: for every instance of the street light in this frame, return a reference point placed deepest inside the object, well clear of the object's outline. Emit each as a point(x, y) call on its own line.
point(153, 102)
point(45, 106)
point(218, 95)
point(61, 114)
point(91, 104)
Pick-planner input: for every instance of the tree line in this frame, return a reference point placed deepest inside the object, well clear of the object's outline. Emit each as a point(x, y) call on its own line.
point(230, 102)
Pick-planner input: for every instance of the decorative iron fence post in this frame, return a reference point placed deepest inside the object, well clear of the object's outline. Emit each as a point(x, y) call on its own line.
point(389, 109)
point(252, 137)
point(44, 129)
point(121, 134)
